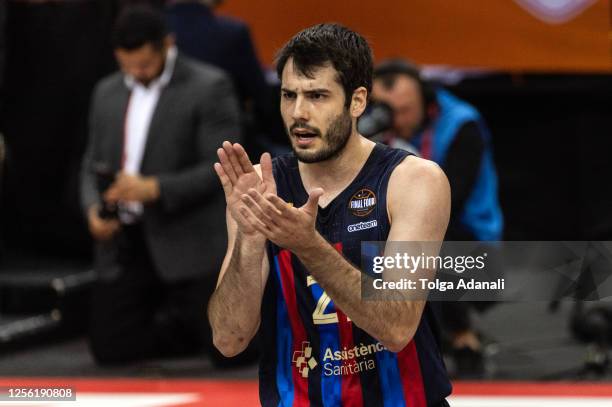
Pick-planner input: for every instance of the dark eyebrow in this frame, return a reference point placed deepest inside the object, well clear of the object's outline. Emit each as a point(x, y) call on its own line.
point(311, 91)
point(321, 90)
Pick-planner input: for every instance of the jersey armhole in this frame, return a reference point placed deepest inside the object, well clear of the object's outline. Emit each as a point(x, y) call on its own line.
point(385, 186)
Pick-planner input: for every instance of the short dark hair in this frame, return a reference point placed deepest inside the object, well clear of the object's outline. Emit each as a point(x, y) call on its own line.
point(137, 26)
point(347, 51)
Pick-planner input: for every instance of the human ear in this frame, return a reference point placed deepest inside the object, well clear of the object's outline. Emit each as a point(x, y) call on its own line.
point(358, 101)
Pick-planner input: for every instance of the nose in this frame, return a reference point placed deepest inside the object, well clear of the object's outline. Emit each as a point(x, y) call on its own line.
point(300, 110)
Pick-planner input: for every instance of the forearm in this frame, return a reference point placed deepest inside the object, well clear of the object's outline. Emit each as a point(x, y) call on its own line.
point(234, 309)
point(392, 322)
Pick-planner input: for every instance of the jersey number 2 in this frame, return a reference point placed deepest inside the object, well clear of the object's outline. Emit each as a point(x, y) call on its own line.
point(319, 317)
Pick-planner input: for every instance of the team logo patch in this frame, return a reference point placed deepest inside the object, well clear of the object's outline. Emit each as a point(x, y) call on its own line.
point(362, 203)
point(555, 11)
point(304, 361)
point(362, 226)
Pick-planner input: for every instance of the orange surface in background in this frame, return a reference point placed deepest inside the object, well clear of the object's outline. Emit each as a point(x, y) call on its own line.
point(468, 33)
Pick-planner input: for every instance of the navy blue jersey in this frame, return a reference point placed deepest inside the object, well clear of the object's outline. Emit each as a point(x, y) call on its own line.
point(312, 353)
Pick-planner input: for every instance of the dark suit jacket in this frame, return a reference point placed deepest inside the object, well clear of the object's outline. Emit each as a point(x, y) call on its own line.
point(185, 229)
point(223, 42)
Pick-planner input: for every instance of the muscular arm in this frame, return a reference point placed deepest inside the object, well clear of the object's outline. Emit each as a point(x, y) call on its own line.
point(419, 206)
point(234, 308)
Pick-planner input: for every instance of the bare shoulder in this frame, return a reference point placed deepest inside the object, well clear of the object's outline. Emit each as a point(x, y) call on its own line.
point(418, 186)
point(416, 174)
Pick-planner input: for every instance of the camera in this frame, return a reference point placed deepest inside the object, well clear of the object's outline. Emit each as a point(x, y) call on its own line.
point(377, 118)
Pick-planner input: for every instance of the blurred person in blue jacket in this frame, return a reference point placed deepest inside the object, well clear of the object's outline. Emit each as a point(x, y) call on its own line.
point(451, 132)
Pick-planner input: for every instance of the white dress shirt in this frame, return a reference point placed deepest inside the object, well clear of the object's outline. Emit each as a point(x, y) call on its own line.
point(141, 106)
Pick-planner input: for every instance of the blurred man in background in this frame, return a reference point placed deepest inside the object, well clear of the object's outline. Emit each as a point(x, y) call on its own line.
point(156, 125)
point(452, 133)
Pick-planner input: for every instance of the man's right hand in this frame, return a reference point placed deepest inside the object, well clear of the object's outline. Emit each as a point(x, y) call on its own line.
point(238, 175)
point(101, 229)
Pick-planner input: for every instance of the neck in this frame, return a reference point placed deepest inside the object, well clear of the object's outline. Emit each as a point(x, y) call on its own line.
point(334, 175)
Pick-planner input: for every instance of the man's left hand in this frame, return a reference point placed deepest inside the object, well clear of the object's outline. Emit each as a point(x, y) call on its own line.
point(286, 226)
point(129, 187)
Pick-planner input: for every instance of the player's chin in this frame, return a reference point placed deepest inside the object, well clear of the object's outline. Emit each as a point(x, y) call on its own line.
point(308, 156)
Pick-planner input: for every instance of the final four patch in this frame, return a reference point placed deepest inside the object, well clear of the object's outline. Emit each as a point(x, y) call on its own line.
point(362, 203)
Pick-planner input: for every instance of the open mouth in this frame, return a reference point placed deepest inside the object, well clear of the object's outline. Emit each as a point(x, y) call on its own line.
point(304, 138)
point(304, 134)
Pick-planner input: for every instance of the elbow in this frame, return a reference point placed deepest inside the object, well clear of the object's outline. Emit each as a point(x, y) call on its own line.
point(229, 346)
point(398, 339)
point(396, 346)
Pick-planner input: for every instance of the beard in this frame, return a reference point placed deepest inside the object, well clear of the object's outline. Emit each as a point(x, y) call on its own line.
point(337, 136)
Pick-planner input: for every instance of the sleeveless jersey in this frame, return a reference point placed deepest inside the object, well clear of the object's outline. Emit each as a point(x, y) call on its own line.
point(312, 354)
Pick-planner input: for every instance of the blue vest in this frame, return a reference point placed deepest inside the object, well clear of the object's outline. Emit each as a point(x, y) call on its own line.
point(481, 214)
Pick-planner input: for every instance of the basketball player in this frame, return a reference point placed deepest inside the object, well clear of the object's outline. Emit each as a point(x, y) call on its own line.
point(295, 225)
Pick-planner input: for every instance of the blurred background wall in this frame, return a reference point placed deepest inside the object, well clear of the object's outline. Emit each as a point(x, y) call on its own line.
point(519, 35)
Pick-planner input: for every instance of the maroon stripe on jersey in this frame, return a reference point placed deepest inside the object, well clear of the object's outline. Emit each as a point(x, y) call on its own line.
point(300, 383)
point(410, 373)
point(351, 383)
